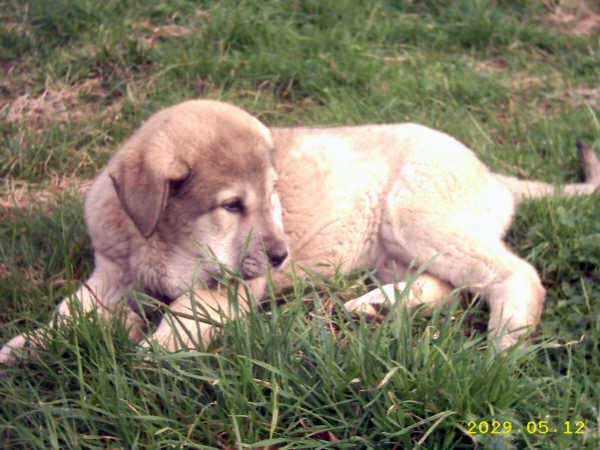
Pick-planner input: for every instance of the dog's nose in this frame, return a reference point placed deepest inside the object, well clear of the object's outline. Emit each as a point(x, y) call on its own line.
point(277, 256)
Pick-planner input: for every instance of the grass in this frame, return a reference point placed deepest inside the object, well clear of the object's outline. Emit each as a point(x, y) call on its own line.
point(502, 77)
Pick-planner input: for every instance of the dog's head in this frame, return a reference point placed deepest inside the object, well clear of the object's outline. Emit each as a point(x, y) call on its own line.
point(198, 178)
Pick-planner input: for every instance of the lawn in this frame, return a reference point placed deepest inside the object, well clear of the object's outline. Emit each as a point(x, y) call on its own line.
point(517, 81)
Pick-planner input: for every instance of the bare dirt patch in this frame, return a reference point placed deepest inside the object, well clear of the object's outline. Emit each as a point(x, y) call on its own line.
point(573, 17)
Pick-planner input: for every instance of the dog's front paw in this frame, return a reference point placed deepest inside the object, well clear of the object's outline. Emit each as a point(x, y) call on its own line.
point(506, 339)
point(8, 352)
point(376, 302)
point(183, 335)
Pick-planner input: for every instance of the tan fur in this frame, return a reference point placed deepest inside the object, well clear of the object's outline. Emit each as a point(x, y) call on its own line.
point(157, 213)
point(382, 197)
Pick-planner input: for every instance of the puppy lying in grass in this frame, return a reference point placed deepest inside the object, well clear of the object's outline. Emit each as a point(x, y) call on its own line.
point(203, 184)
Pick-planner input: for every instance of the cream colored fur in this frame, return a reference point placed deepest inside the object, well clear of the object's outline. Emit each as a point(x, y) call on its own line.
point(198, 177)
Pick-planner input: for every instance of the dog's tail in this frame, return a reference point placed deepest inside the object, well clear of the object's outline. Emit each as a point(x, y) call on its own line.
point(522, 189)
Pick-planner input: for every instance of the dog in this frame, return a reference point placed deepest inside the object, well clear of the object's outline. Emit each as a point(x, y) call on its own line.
point(204, 185)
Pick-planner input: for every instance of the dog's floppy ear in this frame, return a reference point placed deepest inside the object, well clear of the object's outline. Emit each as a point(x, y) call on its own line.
point(142, 185)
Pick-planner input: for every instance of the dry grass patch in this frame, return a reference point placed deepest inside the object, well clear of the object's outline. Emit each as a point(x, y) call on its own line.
point(4, 270)
point(24, 195)
point(491, 65)
point(513, 79)
point(579, 96)
point(151, 34)
point(573, 17)
point(57, 104)
point(525, 80)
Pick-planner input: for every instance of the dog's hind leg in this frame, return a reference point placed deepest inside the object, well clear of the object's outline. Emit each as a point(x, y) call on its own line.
point(483, 265)
point(450, 214)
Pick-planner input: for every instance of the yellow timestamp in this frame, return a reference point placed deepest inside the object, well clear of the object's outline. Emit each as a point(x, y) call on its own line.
point(531, 427)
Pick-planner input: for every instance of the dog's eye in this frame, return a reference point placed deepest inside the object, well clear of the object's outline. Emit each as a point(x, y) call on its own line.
point(177, 186)
point(234, 206)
